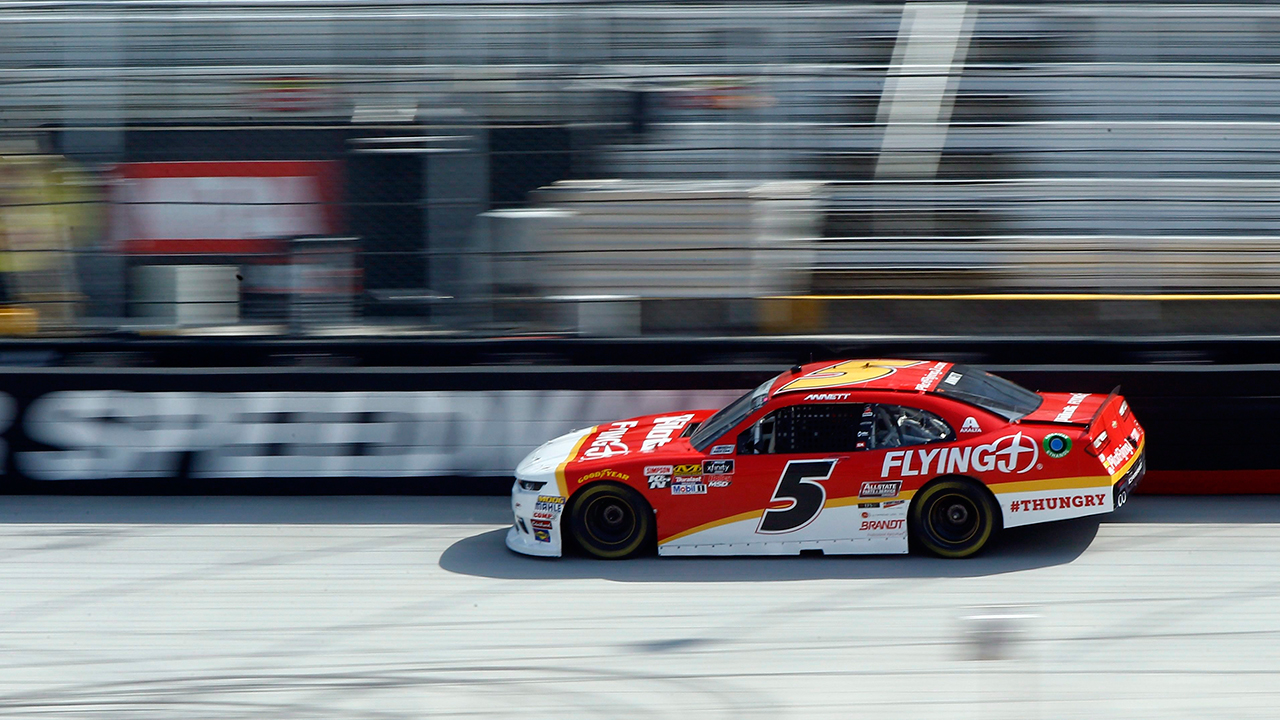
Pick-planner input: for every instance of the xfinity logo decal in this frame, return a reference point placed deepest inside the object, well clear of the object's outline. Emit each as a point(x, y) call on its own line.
point(1016, 454)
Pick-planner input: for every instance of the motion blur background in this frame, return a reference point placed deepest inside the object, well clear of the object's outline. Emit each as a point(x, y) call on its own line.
point(631, 168)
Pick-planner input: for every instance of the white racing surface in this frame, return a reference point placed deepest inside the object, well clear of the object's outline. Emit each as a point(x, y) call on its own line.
point(388, 608)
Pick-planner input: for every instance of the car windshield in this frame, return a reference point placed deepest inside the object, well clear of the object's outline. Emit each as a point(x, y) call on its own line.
point(1008, 400)
point(730, 416)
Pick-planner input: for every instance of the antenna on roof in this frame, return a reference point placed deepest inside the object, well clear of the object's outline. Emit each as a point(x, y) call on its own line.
point(795, 369)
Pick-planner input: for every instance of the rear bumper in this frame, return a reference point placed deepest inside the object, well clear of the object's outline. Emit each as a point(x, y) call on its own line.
point(1121, 491)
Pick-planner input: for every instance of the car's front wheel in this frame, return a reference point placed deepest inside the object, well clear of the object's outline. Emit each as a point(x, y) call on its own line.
point(953, 518)
point(611, 521)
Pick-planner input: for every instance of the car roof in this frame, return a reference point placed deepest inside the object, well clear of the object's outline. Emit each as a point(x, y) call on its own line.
point(919, 376)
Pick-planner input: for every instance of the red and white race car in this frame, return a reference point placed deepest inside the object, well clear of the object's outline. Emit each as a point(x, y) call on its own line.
point(841, 457)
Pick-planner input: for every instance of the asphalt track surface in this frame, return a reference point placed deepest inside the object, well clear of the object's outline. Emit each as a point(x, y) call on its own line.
point(388, 608)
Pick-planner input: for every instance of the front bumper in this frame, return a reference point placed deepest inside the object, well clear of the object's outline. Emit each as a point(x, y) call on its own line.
point(525, 544)
point(536, 530)
point(1121, 491)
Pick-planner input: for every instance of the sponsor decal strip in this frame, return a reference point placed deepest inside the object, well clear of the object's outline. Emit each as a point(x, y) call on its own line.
point(1084, 483)
point(754, 514)
point(560, 481)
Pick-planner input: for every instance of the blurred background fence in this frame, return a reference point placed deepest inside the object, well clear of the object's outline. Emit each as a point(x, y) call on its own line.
point(625, 168)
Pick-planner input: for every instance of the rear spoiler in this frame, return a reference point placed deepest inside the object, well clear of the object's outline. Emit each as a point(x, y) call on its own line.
point(1086, 424)
point(1089, 447)
point(1098, 413)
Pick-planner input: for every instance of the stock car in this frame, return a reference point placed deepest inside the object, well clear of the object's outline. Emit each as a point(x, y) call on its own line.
point(849, 457)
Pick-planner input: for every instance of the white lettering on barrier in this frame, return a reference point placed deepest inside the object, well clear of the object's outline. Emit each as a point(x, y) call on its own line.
point(100, 434)
point(8, 412)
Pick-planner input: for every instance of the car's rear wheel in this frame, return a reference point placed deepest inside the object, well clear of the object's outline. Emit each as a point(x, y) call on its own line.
point(611, 521)
point(953, 518)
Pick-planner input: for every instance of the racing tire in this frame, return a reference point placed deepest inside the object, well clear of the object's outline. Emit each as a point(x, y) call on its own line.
point(953, 518)
point(611, 521)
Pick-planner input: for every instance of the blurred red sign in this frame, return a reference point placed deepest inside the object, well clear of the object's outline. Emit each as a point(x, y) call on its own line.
point(236, 207)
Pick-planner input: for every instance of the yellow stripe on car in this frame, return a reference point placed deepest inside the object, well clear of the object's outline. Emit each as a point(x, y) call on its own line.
point(560, 481)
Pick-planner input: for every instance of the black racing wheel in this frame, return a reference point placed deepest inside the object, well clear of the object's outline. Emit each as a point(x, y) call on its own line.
point(953, 518)
point(611, 521)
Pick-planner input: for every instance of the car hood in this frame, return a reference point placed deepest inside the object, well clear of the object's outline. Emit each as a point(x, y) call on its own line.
point(638, 438)
point(646, 438)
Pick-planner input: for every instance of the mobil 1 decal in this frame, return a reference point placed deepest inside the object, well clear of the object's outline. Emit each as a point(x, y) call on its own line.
point(800, 485)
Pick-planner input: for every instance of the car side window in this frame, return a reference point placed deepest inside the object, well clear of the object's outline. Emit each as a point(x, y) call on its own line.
point(816, 428)
point(890, 426)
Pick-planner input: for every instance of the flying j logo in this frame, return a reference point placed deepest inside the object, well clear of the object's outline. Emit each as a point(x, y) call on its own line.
point(851, 372)
point(1016, 454)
